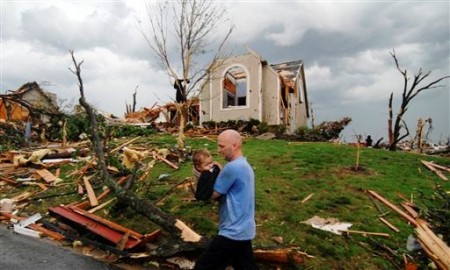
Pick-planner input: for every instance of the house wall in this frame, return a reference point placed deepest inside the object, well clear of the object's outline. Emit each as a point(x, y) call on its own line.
point(211, 95)
point(37, 100)
point(301, 114)
point(263, 101)
point(270, 97)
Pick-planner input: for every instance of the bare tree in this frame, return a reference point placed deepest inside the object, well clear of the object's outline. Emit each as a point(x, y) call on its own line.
point(408, 94)
point(181, 35)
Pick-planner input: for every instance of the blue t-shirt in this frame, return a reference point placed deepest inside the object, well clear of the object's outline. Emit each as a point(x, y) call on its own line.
point(236, 183)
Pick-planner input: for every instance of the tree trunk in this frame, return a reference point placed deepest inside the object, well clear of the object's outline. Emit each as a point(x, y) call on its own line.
point(183, 236)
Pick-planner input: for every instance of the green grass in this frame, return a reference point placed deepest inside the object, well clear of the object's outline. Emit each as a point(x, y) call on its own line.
point(286, 173)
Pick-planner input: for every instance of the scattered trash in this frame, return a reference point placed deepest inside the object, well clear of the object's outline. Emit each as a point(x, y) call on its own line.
point(330, 224)
point(7, 205)
point(412, 244)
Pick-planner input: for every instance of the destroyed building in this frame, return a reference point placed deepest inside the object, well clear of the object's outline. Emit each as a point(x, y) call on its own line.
point(17, 105)
point(248, 87)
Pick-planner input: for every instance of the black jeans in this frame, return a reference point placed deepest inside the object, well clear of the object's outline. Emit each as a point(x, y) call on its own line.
point(223, 252)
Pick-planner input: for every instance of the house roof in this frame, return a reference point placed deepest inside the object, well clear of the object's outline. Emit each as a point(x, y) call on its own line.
point(288, 70)
point(33, 86)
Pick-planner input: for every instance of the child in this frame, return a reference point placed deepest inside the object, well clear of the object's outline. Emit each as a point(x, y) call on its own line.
point(206, 170)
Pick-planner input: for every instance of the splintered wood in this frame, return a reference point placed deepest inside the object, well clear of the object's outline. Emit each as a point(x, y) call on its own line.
point(436, 169)
point(434, 247)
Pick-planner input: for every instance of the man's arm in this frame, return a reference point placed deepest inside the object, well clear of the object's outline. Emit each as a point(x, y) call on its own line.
point(215, 195)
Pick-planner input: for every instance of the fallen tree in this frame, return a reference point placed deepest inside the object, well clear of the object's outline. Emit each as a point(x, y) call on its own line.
point(184, 238)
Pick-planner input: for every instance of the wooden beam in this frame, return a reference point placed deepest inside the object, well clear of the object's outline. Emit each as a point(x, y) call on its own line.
point(392, 227)
point(435, 248)
point(155, 155)
point(47, 175)
point(90, 191)
point(437, 172)
point(365, 233)
point(393, 207)
point(307, 198)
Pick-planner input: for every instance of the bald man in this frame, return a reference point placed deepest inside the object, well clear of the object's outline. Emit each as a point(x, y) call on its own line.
point(235, 190)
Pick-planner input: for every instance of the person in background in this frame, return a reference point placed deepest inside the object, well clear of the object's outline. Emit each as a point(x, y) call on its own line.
point(235, 189)
point(369, 141)
point(206, 170)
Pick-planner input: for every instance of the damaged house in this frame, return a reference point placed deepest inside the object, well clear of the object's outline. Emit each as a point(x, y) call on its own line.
point(28, 100)
point(247, 87)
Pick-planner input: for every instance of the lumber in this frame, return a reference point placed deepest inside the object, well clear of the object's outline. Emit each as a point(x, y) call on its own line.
point(124, 144)
point(365, 233)
point(187, 234)
point(105, 193)
point(307, 198)
point(9, 181)
point(47, 176)
point(95, 209)
point(392, 227)
point(431, 168)
point(90, 191)
point(439, 166)
point(435, 248)
point(410, 210)
point(393, 207)
point(165, 160)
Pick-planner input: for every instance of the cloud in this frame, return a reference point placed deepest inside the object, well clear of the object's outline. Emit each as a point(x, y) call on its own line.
point(344, 45)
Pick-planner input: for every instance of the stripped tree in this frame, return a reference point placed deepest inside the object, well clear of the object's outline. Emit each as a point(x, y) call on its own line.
point(181, 34)
point(408, 94)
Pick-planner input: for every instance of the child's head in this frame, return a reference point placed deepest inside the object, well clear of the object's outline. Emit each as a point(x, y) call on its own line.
point(202, 160)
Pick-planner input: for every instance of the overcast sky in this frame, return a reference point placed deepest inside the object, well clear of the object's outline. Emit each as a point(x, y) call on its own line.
point(345, 46)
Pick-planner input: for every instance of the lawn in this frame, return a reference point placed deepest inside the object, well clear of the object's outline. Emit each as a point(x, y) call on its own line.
point(286, 173)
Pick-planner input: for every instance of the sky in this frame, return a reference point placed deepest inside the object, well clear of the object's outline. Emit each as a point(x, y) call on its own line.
point(345, 47)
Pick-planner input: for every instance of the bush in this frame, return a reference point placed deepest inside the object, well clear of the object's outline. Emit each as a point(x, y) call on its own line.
point(129, 131)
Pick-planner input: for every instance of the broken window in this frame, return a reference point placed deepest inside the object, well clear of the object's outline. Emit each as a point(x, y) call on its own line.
point(234, 87)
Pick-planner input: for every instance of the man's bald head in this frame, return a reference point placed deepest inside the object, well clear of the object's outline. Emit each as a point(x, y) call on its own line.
point(232, 136)
point(229, 144)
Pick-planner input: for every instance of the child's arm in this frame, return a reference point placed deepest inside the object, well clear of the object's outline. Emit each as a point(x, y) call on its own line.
point(205, 185)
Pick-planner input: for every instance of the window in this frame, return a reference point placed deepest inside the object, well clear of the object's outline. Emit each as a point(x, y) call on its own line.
point(234, 88)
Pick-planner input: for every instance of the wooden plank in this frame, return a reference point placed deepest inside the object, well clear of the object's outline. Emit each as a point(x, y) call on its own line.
point(47, 176)
point(410, 210)
point(124, 144)
point(365, 233)
point(156, 156)
point(101, 206)
point(9, 181)
point(435, 248)
point(90, 191)
point(393, 207)
point(105, 193)
point(392, 227)
point(437, 166)
point(431, 168)
point(307, 198)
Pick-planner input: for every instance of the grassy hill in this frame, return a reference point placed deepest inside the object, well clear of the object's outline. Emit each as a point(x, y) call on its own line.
point(286, 173)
